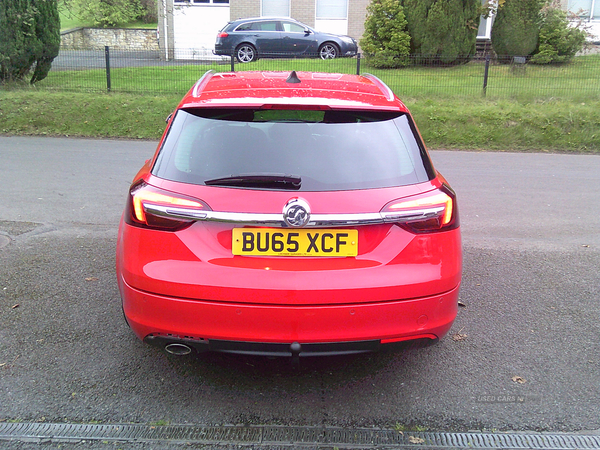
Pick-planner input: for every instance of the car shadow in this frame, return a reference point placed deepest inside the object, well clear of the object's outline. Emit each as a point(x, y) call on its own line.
point(266, 373)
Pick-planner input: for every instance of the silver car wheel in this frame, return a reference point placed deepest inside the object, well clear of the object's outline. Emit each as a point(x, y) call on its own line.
point(328, 51)
point(246, 53)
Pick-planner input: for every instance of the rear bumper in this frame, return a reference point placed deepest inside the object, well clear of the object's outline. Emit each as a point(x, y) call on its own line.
point(222, 52)
point(181, 346)
point(254, 328)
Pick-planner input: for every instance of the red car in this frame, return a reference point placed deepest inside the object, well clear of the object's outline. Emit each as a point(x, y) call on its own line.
point(289, 214)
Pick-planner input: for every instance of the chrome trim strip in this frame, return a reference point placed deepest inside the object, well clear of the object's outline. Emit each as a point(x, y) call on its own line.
point(410, 215)
point(276, 220)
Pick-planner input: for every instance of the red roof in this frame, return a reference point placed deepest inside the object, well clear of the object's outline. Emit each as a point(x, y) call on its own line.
point(259, 89)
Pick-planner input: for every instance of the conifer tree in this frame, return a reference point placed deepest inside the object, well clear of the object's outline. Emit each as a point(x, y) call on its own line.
point(29, 34)
point(48, 34)
point(516, 28)
point(445, 30)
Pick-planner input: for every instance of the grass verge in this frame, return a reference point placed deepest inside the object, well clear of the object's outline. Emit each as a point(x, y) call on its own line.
point(85, 115)
point(461, 123)
point(540, 125)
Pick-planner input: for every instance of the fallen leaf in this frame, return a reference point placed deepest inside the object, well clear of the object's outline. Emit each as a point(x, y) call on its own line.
point(15, 306)
point(459, 337)
point(519, 380)
point(13, 361)
point(461, 304)
point(586, 246)
point(91, 279)
point(415, 440)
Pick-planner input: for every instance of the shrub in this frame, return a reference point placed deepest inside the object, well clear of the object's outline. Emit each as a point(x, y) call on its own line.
point(149, 12)
point(516, 28)
point(385, 41)
point(559, 41)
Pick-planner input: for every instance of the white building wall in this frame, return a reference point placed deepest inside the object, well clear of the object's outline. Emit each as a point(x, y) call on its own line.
point(594, 31)
point(195, 29)
point(588, 12)
point(335, 26)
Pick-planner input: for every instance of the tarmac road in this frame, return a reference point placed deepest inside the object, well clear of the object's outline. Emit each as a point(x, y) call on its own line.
point(524, 354)
point(68, 59)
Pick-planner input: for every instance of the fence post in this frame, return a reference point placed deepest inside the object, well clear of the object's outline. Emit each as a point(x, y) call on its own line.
point(107, 60)
point(485, 73)
point(358, 64)
point(232, 63)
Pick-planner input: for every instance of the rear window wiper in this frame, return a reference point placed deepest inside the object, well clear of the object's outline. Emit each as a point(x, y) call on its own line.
point(266, 181)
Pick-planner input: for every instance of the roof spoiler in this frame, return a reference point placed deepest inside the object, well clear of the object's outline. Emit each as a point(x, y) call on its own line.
point(201, 83)
point(384, 88)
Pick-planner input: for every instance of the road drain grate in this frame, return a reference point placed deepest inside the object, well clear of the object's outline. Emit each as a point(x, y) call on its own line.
point(258, 436)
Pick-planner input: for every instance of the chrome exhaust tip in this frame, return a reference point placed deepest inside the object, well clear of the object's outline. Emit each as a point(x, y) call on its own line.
point(178, 349)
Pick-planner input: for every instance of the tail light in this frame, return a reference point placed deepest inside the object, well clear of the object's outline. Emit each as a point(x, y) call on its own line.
point(222, 34)
point(150, 207)
point(424, 213)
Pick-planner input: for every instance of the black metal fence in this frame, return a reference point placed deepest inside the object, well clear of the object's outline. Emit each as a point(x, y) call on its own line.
point(107, 70)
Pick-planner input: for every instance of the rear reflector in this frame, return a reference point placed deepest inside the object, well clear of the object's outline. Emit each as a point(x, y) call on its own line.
point(409, 338)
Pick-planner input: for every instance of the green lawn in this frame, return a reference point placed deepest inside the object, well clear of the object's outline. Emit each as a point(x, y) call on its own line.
point(577, 81)
point(69, 19)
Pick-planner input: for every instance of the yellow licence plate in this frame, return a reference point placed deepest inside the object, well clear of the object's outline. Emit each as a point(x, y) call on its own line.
point(297, 242)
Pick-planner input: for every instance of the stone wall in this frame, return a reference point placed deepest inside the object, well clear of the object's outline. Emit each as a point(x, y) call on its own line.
point(115, 38)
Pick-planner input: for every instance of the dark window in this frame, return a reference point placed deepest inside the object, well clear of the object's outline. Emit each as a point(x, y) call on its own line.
point(200, 2)
point(331, 150)
point(244, 27)
point(265, 26)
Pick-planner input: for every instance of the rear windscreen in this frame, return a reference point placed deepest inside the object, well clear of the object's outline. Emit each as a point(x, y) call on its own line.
point(326, 150)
